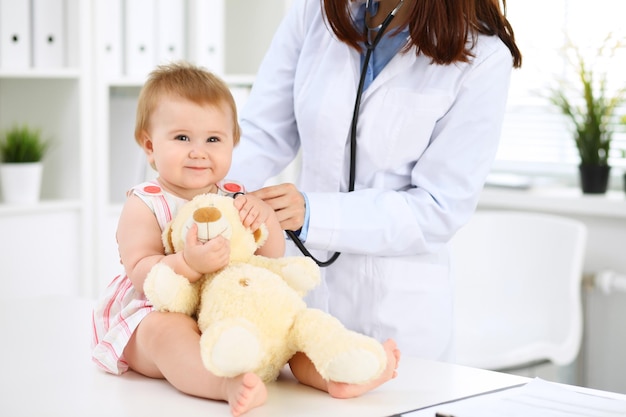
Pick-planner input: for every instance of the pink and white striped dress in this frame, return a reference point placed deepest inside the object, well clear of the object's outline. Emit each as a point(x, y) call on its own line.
point(121, 308)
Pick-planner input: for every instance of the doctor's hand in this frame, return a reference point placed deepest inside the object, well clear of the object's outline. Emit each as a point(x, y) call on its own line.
point(287, 202)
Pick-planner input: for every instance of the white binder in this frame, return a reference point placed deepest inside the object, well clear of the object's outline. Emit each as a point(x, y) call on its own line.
point(170, 31)
point(108, 14)
point(48, 33)
point(14, 34)
point(207, 38)
point(140, 31)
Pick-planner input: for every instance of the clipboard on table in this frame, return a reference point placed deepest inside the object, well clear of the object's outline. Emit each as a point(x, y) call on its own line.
point(537, 398)
point(495, 392)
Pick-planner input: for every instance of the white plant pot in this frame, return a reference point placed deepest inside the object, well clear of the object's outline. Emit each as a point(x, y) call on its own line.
point(21, 182)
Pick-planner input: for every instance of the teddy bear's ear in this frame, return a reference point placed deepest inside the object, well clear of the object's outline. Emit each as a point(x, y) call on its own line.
point(260, 235)
point(166, 237)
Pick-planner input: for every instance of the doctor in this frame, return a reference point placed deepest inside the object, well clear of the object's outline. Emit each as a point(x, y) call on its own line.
point(428, 123)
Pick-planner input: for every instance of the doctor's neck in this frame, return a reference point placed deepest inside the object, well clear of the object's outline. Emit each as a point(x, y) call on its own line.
point(383, 8)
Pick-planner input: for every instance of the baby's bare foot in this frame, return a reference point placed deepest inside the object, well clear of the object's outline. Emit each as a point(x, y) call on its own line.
point(343, 390)
point(245, 393)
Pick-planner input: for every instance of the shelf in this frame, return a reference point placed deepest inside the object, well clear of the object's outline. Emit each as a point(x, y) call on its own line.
point(243, 80)
point(44, 206)
point(563, 200)
point(234, 80)
point(56, 107)
point(27, 74)
point(57, 100)
point(126, 82)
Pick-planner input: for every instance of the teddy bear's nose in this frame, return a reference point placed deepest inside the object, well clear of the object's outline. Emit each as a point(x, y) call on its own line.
point(244, 282)
point(207, 215)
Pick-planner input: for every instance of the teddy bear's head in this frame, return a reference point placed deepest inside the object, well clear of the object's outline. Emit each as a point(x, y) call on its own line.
point(215, 215)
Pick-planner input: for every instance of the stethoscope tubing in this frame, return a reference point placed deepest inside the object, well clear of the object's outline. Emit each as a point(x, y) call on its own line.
point(353, 126)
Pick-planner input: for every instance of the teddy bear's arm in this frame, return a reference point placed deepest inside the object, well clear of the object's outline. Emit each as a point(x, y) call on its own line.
point(299, 272)
point(169, 291)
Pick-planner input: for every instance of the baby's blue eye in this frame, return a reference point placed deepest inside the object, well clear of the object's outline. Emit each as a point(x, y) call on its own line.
point(182, 137)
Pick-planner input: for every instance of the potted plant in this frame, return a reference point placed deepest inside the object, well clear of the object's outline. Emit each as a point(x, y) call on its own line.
point(592, 112)
point(21, 152)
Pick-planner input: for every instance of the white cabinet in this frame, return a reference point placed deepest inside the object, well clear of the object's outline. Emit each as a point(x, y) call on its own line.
point(42, 250)
point(46, 246)
point(228, 37)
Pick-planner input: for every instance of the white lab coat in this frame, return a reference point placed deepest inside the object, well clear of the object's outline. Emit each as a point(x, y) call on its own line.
point(427, 136)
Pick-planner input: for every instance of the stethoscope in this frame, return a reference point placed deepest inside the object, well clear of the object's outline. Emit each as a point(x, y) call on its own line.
point(370, 45)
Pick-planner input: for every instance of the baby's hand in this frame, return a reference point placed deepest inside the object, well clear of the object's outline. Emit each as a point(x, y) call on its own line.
point(252, 210)
point(205, 257)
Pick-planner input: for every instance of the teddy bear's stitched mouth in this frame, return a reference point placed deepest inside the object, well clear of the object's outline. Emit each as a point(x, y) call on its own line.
point(208, 231)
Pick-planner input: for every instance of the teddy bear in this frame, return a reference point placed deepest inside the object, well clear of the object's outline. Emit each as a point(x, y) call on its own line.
point(251, 314)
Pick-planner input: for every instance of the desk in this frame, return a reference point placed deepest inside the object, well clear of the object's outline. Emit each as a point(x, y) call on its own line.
point(46, 370)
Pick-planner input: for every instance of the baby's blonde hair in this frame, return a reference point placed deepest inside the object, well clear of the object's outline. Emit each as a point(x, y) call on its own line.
point(188, 82)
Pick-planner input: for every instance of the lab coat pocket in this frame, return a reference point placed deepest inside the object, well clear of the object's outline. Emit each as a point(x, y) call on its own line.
point(412, 119)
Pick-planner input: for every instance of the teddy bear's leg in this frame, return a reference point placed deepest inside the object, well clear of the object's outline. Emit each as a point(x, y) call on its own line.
point(231, 347)
point(169, 291)
point(338, 354)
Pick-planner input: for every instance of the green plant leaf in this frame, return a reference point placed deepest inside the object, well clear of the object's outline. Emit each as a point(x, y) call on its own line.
point(22, 144)
point(592, 119)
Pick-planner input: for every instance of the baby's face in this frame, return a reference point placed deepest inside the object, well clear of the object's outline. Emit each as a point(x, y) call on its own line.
point(190, 145)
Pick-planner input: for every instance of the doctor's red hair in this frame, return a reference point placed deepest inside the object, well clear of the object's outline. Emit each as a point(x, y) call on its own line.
point(443, 30)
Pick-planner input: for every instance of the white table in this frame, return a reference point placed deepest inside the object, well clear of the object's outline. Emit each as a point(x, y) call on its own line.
point(46, 370)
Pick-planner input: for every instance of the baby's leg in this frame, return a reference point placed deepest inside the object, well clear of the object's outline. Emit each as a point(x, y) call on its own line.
point(167, 345)
point(305, 372)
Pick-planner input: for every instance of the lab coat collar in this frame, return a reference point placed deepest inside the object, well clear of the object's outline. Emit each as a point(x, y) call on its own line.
point(402, 61)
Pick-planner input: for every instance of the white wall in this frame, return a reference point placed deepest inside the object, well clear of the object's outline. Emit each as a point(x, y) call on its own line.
point(604, 351)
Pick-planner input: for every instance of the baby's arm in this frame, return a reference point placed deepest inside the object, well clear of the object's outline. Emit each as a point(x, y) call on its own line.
point(139, 240)
point(253, 212)
point(141, 247)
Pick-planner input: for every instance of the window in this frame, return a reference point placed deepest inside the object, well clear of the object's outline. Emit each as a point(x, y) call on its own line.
point(536, 139)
